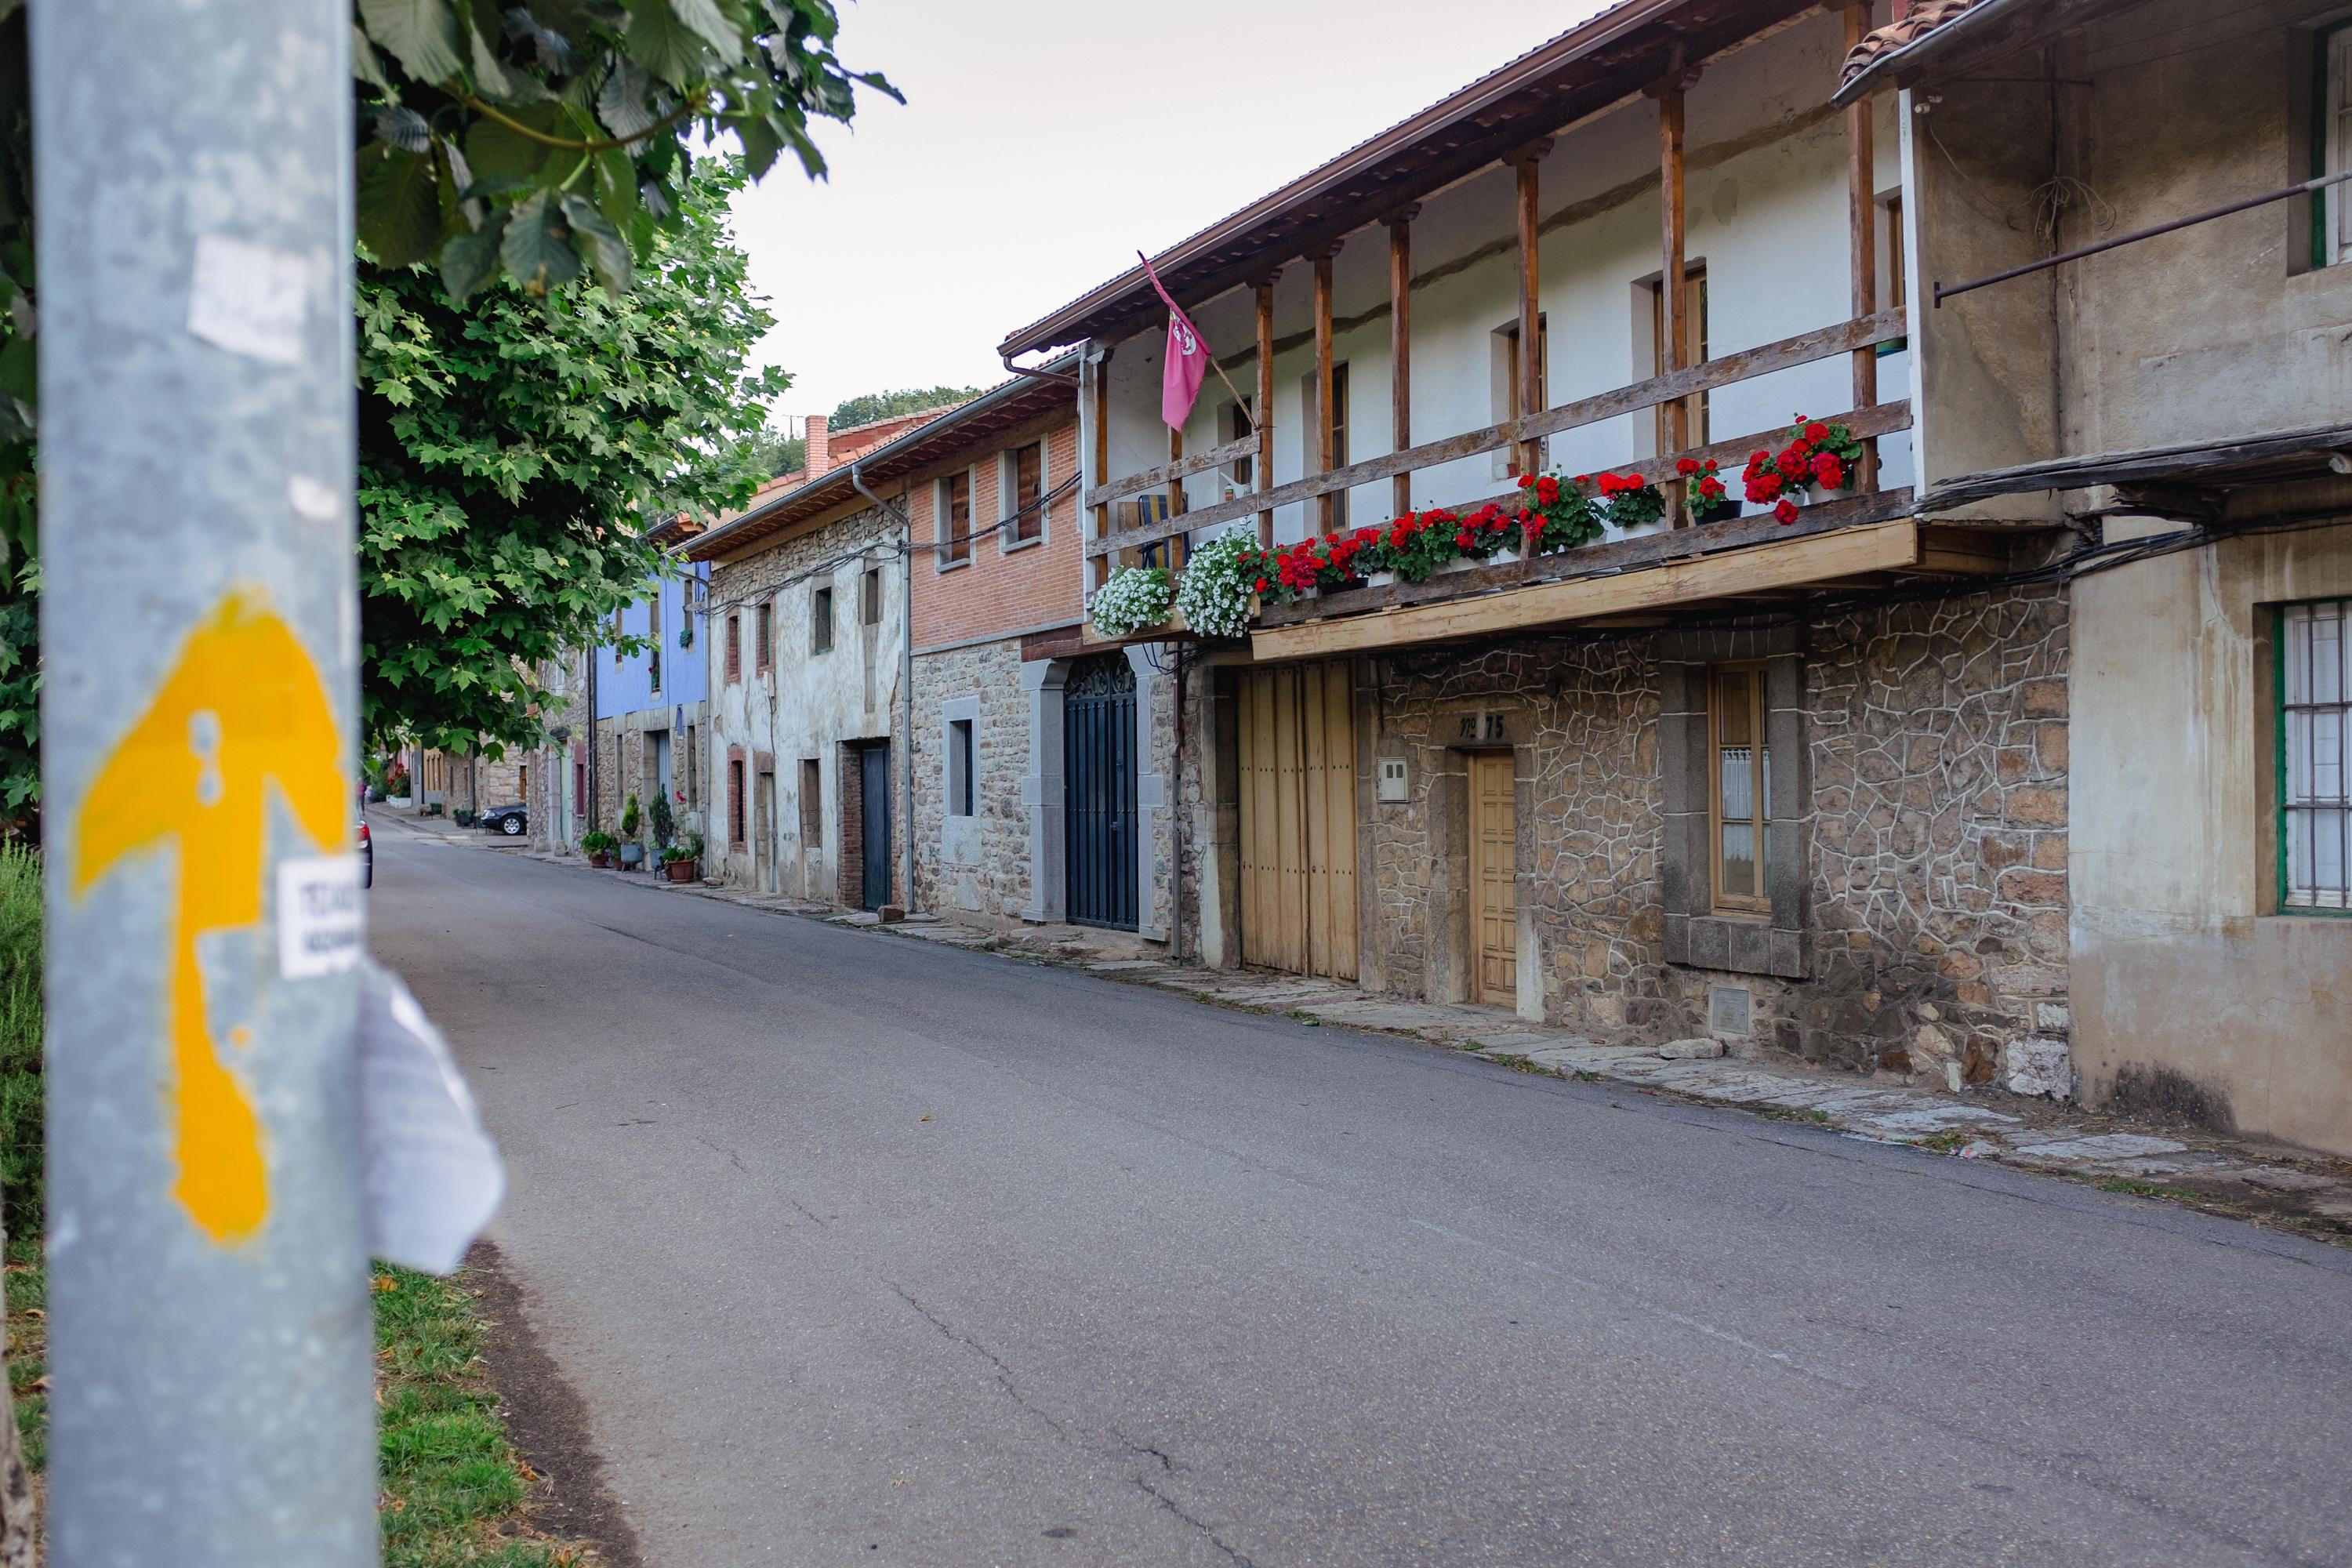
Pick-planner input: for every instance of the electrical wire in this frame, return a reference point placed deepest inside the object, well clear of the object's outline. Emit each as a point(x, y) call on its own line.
point(887, 551)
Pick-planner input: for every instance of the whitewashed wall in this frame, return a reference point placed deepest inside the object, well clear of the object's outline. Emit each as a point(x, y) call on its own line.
point(806, 705)
point(1765, 212)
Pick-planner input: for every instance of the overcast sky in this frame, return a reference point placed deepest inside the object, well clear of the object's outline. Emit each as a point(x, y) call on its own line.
point(1044, 141)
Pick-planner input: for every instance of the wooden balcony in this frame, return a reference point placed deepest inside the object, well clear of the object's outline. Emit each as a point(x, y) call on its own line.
point(1863, 539)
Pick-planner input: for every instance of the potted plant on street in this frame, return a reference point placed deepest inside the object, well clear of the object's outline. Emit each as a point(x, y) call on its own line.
point(465, 816)
point(598, 848)
point(633, 853)
point(681, 862)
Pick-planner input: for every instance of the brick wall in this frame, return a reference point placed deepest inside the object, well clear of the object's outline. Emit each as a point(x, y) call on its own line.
point(1002, 591)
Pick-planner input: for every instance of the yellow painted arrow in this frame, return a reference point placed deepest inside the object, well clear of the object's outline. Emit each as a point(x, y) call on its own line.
point(244, 703)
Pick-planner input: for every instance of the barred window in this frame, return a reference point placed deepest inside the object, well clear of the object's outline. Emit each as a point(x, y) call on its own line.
point(2316, 725)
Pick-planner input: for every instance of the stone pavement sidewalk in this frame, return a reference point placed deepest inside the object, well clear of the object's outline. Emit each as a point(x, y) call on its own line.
point(2244, 1177)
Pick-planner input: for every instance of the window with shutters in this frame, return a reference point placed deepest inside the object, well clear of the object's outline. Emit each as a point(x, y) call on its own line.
point(734, 645)
point(763, 641)
point(821, 621)
point(959, 767)
point(2314, 755)
point(1740, 772)
point(951, 519)
point(1022, 483)
point(869, 597)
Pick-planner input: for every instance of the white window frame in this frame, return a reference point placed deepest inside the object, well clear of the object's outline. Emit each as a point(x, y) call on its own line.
point(2315, 689)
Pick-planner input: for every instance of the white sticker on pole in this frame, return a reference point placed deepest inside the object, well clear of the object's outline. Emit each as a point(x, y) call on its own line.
point(248, 298)
point(321, 925)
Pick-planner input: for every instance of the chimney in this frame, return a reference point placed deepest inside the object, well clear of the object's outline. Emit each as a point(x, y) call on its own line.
point(820, 449)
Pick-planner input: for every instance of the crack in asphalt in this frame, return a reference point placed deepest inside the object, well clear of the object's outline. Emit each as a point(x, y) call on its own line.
point(1004, 1373)
point(1208, 1532)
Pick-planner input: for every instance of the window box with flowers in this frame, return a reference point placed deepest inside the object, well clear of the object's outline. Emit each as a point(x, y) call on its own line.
point(1131, 599)
point(1820, 459)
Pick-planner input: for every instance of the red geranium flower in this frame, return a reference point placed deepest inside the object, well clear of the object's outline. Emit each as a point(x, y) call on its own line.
point(1827, 470)
point(1790, 464)
point(1464, 538)
point(1686, 467)
point(1786, 512)
point(1817, 431)
point(1526, 479)
point(1261, 584)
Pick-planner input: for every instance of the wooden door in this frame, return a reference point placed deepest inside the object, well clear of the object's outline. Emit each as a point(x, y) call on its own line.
point(763, 824)
point(1493, 877)
point(1297, 743)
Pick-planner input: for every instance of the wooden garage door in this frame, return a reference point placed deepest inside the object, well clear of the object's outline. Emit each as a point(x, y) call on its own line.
point(1298, 819)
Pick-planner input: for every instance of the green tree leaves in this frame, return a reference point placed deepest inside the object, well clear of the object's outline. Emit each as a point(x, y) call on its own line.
point(512, 450)
point(560, 99)
point(423, 35)
point(399, 206)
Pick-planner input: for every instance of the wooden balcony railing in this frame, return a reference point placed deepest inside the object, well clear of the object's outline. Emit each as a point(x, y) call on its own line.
point(1845, 337)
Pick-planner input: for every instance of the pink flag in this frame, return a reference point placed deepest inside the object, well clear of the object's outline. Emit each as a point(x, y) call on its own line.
point(1187, 358)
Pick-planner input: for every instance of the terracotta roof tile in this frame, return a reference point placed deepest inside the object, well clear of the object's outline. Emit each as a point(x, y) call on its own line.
point(1925, 17)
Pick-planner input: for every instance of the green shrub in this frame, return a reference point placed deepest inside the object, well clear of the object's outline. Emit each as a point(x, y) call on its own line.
point(20, 1036)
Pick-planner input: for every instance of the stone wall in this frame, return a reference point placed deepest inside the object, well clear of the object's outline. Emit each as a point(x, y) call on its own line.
point(806, 705)
point(1928, 936)
point(976, 865)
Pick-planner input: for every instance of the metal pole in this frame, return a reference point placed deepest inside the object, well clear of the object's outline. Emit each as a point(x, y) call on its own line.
point(2135, 236)
point(210, 1343)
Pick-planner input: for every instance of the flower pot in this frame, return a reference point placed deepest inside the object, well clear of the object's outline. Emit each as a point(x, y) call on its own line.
point(678, 871)
point(632, 855)
point(400, 802)
point(602, 859)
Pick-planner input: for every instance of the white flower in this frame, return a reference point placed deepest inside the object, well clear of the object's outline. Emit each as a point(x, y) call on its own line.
point(1215, 593)
point(1131, 598)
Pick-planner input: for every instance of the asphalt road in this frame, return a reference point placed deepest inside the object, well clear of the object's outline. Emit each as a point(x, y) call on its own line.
point(865, 1251)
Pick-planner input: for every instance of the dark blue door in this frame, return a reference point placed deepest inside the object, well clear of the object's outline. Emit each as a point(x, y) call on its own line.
point(1098, 762)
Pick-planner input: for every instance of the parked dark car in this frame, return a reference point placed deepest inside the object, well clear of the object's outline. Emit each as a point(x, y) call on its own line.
point(514, 821)
point(367, 856)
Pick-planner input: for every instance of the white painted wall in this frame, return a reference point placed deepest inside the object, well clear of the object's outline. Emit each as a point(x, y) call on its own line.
point(808, 704)
point(1766, 211)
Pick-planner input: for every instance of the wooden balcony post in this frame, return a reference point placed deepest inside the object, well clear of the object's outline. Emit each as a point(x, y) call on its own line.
point(1326, 509)
point(1862, 216)
point(1264, 468)
point(1401, 352)
point(1176, 484)
point(1524, 164)
point(1673, 293)
point(1094, 369)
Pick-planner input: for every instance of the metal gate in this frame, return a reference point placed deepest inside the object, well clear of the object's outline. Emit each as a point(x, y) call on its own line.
point(1098, 762)
point(874, 811)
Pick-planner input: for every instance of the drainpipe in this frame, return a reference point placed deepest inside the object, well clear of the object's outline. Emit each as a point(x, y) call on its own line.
point(596, 782)
point(1059, 377)
point(906, 670)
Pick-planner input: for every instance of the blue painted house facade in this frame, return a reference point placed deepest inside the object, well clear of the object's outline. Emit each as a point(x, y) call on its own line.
point(651, 705)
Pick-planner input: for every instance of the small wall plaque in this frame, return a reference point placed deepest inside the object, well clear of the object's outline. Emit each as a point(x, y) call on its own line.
point(1395, 782)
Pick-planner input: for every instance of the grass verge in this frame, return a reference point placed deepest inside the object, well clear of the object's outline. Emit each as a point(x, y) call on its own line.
point(454, 1491)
